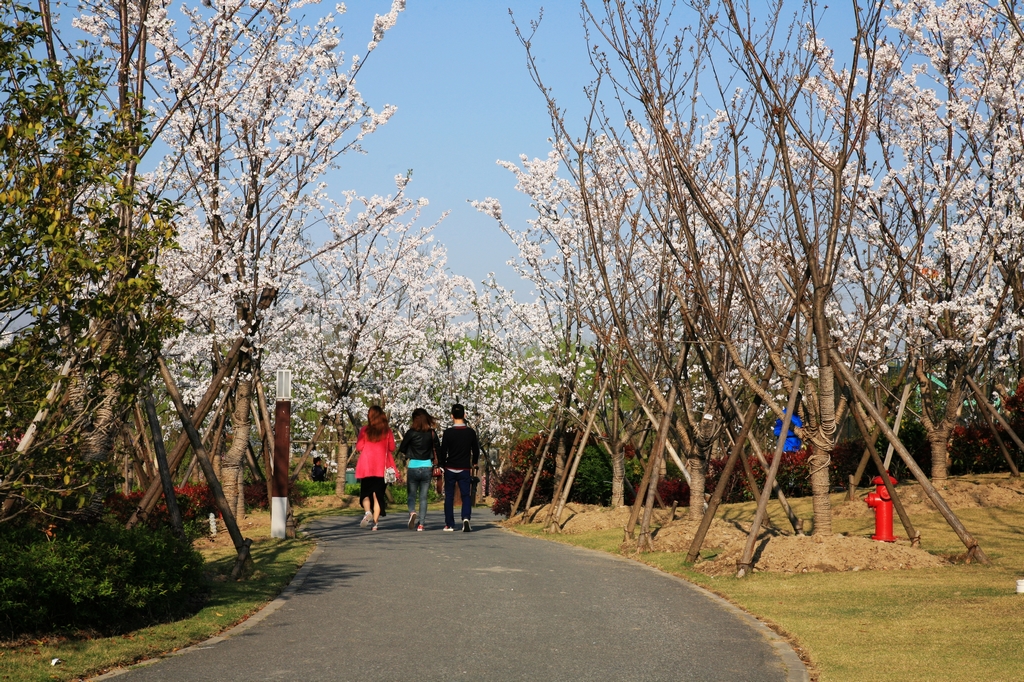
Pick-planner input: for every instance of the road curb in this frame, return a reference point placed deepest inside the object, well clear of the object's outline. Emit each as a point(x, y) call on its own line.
point(796, 671)
point(290, 589)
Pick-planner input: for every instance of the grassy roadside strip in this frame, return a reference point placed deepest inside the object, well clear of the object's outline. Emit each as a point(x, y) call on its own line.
point(954, 623)
point(275, 563)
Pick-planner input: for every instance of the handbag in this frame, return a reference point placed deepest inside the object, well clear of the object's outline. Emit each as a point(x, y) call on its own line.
point(390, 476)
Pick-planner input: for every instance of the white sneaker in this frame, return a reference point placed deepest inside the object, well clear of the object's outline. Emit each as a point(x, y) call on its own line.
point(465, 526)
point(449, 529)
point(367, 517)
point(412, 520)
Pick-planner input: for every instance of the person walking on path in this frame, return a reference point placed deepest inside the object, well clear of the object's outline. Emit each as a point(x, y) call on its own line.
point(420, 446)
point(458, 455)
point(375, 445)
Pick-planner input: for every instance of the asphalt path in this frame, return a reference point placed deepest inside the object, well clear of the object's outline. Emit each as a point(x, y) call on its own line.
point(487, 605)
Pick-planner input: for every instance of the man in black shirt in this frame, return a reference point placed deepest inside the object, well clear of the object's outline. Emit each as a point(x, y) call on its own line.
point(459, 453)
point(319, 473)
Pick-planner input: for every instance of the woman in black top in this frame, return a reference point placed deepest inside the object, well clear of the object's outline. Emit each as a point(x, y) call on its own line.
point(419, 445)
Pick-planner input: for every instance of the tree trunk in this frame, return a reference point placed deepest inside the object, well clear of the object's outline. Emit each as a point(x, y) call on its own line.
point(698, 468)
point(339, 481)
point(560, 456)
point(938, 439)
point(821, 450)
point(616, 454)
point(618, 474)
point(231, 464)
point(341, 458)
point(818, 462)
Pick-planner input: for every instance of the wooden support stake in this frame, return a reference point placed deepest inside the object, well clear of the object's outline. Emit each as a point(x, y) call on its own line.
point(241, 544)
point(561, 483)
point(851, 491)
point(529, 471)
point(540, 465)
point(148, 500)
point(644, 542)
point(883, 473)
point(743, 566)
point(899, 421)
point(974, 551)
point(989, 409)
point(161, 462)
point(564, 497)
point(309, 448)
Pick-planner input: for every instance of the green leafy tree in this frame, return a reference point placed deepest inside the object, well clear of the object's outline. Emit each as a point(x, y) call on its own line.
point(81, 306)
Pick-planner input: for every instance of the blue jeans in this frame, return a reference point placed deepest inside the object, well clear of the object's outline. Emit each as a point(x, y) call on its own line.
point(451, 479)
point(417, 483)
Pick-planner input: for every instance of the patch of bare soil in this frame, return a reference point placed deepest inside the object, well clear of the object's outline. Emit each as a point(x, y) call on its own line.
point(596, 518)
point(779, 553)
point(982, 491)
point(774, 551)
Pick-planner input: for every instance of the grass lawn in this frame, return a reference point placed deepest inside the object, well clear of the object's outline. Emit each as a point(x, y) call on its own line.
point(275, 562)
point(954, 623)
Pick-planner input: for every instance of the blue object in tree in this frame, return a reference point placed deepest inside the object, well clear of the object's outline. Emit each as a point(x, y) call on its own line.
point(793, 443)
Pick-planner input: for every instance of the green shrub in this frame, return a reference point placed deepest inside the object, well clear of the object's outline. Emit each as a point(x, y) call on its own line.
point(94, 577)
point(398, 492)
point(593, 483)
point(315, 488)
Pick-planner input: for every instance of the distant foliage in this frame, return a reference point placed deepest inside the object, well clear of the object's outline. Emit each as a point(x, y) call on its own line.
point(593, 484)
point(99, 578)
point(973, 448)
point(506, 486)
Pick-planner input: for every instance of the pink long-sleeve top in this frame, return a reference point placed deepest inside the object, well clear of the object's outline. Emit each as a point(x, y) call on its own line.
point(374, 457)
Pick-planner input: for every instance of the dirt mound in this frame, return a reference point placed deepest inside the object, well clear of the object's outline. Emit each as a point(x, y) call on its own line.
point(958, 493)
point(581, 518)
point(599, 518)
point(779, 553)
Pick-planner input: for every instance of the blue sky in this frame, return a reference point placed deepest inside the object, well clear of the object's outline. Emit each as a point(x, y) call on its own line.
point(457, 74)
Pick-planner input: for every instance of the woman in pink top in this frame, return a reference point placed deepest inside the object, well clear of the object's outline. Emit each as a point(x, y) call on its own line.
point(375, 446)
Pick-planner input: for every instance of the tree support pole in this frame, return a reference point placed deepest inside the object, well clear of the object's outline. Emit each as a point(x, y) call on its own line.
point(989, 413)
point(564, 497)
point(148, 500)
point(644, 542)
point(529, 471)
point(309, 448)
point(851, 493)
point(974, 551)
point(241, 544)
point(267, 435)
point(540, 465)
point(161, 462)
point(899, 422)
point(561, 482)
point(743, 566)
point(883, 473)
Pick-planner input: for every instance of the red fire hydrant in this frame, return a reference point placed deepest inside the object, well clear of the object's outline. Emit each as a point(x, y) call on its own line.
point(882, 504)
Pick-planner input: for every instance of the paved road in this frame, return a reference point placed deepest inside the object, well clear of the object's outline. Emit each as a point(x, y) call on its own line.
point(486, 605)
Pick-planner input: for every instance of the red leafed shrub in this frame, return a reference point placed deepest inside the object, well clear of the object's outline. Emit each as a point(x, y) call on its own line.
point(505, 486)
point(256, 495)
point(195, 502)
point(504, 490)
point(674, 490)
point(974, 450)
point(793, 477)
